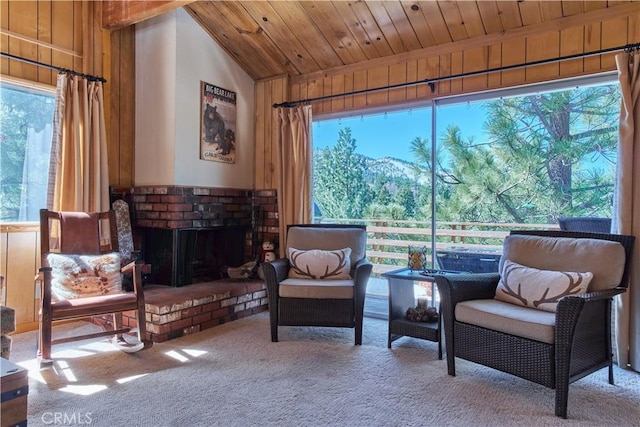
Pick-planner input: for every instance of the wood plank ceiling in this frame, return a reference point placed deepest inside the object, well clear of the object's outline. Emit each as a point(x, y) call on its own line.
point(272, 38)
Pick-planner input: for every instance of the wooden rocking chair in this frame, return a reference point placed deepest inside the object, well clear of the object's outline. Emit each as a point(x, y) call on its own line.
point(81, 276)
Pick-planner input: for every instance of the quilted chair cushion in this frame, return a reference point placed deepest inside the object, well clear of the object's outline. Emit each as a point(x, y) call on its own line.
point(605, 259)
point(320, 265)
point(7, 320)
point(78, 276)
point(306, 238)
point(539, 289)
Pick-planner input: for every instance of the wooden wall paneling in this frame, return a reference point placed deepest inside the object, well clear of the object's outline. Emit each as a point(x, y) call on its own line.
point(261, 136)
point(543, 46)
point(326, 90)
point(126, 95)
point(377, 77)
point(21, 269)
point(270, 180)
point(62, 30)
point(572, 7)
point(513, 53)
point(337, 87)
point(348, 87)
point(594, 5)
point(571, 43)
point(412, 76)
point(397, 75)
point(475, 59)
point(633, 29)
point(592, 42)
point(360, 82)
point(315, 89)
point(444, 69)
point(614, 33)
point(494, 60)
point(279, 93)
point(456, 68)
point(23, 19)
point(4, 39)
point(113, 146)
point(77, 8)
point(422, 73)
point(45, 75)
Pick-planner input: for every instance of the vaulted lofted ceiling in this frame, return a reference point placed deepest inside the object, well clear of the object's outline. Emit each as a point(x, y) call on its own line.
point(272, 38)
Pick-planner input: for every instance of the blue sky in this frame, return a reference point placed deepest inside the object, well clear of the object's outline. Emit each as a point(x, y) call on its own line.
point(390, 134)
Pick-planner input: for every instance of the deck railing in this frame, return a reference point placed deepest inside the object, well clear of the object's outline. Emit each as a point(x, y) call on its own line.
point(388, 240)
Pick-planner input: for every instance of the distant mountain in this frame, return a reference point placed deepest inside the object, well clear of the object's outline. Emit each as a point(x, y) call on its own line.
point(392, 168)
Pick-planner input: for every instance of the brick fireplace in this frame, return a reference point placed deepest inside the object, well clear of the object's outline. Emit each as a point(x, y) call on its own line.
point(187, 234)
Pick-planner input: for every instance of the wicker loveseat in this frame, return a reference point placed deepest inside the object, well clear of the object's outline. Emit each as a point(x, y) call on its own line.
point(299, 297)
point(487, 320)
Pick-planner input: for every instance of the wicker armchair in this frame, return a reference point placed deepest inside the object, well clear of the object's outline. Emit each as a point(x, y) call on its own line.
point(482, 329)
point(314, 301)
point(585, 223)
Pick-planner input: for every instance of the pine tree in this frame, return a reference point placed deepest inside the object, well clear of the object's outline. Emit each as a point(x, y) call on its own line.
point(339, 186)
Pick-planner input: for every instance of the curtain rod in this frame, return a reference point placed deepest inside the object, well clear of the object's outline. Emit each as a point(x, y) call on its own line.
point(53, 67)
point(431, 82)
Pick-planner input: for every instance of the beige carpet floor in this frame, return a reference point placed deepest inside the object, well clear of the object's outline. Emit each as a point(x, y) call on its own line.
point(233, 375)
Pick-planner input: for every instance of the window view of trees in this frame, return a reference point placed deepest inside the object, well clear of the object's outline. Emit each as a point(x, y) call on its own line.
point(25, 144)
point(526, 159)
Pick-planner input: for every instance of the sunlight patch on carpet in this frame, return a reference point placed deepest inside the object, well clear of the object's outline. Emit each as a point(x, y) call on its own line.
point(84, 390)
point(194, 353)
point(131, 378)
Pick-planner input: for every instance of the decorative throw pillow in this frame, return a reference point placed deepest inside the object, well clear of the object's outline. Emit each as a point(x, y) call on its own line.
point(319, 264)
point(78, 276)
point(540, 289)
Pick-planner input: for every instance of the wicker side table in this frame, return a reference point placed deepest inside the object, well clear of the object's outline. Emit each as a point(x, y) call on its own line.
point(401, 297)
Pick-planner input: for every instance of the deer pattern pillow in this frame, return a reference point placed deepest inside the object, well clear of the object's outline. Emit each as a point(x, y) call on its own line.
point(539, 289)
point(320, 265)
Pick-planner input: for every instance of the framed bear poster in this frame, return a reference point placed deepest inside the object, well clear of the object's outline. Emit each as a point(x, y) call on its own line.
point(217, 124)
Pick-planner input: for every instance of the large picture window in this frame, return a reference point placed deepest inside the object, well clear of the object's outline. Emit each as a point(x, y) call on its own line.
point(456, 175)
point(25, 145)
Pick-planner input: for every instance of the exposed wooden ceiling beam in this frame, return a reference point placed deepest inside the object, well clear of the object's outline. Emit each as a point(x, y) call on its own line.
point(118, 14)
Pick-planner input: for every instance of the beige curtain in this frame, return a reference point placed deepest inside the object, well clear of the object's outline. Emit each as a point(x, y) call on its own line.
point(78, 171)
point(294, 169)
point(627, 207)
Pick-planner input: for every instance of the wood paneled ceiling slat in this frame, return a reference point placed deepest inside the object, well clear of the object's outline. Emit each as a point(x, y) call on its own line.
point(282, 35)
point(388, 29)
point(454, 21)
point(241, 38)
point(432, 14)
point(331, 25)
point(346, 11)
point(490, 16)
point(418, 23)
point(318, 38)
point(370, 25)
point(530, 13)
point(509, 14)
point(403, 26)
point(471, 18)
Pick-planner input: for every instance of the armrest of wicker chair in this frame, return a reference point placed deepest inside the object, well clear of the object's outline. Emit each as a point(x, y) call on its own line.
point(455, 288)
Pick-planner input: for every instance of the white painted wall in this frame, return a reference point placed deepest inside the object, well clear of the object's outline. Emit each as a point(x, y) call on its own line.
point(196, 57)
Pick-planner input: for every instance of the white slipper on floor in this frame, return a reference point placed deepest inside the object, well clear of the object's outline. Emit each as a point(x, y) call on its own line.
point(129, 343)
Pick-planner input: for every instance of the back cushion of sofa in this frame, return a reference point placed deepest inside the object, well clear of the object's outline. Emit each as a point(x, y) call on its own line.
point(603, 258)
point(306, 238)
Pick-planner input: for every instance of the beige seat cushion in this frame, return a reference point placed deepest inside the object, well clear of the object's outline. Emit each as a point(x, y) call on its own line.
point(320, 289)
point(508, 318)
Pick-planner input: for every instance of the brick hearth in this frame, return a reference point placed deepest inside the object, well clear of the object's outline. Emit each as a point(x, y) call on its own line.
point(173, 312)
